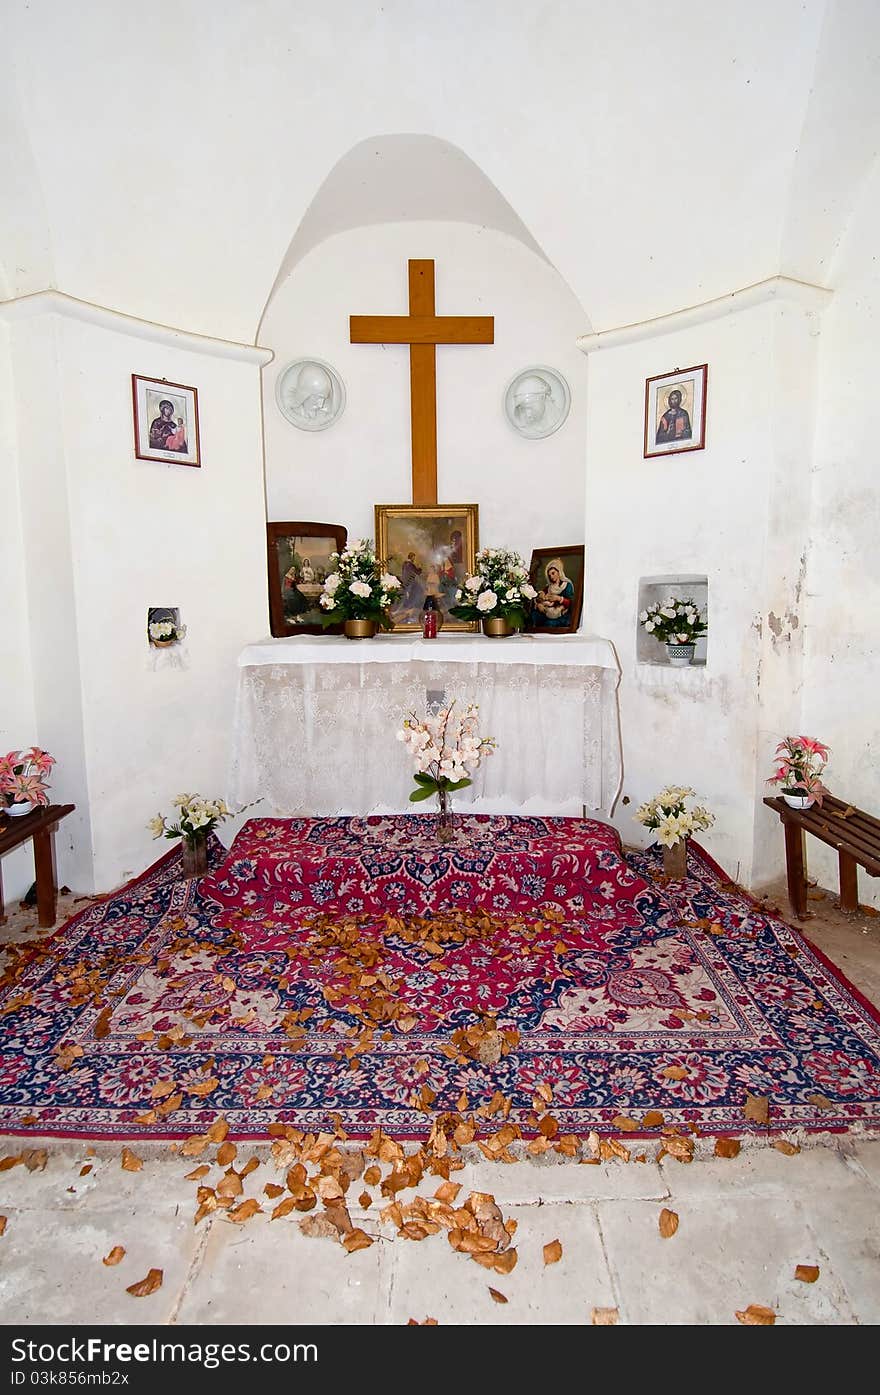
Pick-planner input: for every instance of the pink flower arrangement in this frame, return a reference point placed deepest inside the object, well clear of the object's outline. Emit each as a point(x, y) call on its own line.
point(801, 760)
point(23, 776)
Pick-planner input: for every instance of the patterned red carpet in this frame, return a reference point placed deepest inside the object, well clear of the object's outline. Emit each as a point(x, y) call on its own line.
point(357, 972)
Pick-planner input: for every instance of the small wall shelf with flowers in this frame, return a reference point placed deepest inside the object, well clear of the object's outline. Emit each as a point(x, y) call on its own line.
point(656, 591)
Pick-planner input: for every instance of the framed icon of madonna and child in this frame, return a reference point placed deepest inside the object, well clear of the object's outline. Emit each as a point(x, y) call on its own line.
point(675, 411)
point(166, 421)
point(557, 574)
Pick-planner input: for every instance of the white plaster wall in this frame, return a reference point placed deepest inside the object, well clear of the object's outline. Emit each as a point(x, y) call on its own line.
point(17, 721)
point(107, 536)
point(841, 702)
point(704, 513)
point(530, 493)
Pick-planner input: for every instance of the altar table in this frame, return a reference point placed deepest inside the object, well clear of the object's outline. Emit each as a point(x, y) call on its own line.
point(316, 721)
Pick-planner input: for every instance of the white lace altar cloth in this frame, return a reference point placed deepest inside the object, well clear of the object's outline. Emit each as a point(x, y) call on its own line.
point(316, 721)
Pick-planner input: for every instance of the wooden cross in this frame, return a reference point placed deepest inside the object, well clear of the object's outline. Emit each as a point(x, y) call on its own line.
point(423, 331)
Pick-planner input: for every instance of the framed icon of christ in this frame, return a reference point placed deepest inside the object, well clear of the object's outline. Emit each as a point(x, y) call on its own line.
point(432, 548)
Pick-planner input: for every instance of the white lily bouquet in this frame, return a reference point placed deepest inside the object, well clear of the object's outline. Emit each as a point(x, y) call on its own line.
point(674, 621)
point(499, 587)
point(196, 817)
point(670, 819)
point(359, 587)
point(446, 752)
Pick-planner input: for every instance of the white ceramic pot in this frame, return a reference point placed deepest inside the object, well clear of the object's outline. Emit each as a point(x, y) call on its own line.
point(15, 811)
point(798, 801)
point(680, 655)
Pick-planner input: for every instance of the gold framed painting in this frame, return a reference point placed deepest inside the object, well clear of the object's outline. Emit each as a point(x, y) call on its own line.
point(432, 548)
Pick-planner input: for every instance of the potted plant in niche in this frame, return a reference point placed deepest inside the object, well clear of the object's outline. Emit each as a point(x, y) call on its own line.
point(23, 776)
point(359, 592)
point(196, 817)
point(498, 593)
point(801, 761)
point(677, 623)
point(673, 823)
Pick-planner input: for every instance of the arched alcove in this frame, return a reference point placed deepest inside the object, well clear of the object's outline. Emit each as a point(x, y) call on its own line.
point(390, 199)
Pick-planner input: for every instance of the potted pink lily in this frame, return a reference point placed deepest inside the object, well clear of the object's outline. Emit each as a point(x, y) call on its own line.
point(801, 761)
point(23, 777)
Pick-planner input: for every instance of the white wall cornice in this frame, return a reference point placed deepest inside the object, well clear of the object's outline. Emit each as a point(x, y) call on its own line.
point(810, 297)
point(58, 303)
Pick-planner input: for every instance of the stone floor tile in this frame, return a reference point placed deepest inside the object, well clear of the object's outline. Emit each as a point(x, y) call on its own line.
point(533, 1182)
point(51, 1269)
point(269, 1272)
point(724, 1256)
point(429, 1279)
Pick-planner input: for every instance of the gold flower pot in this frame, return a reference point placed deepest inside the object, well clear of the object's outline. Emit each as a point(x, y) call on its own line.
point(496, 627)
point(675, 861)
point(162, 643)
point(360, 629)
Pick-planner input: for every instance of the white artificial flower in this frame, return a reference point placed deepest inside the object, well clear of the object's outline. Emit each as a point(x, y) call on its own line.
point(668, 611)
point(389, 582)
point(332, 583)
point(181, 800)
point(643, 615)
point(511, 594)
point(327, 602)
point(360, 588)
point(528, 591)
point(157, 826)
point(487, 601)
point(650, 626)
point(473, 583)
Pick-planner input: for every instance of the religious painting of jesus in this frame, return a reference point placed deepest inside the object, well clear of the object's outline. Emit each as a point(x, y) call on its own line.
point(675, 411)
point(299, 562)
point(432, 548)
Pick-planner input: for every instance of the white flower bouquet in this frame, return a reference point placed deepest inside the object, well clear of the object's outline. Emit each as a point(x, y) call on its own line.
point(196, 818)
point(359, 587)
point(670, 820)
point(674, 621)
point(165, 632)
point(499, 587)
point(446, 751)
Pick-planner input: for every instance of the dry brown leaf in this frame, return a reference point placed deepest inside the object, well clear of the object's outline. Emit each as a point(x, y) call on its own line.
point(783, 1146)
point(501, 1263)
point(230, 1184)
point(115, 1255)
point(807, 1273)
point(3, 1222)
point(604, 1317)
point(356, 1240)
point(194, 1145)
point(284, 1208)
point(757, 1108)
point(653, 1119)
point(218, 1131)
point(226, 1153)
point(624, 1123)
point(726, 1147)
point(373, 1175)
point(271, 1190)
point(668, 1223)
point(497, 1296)
point(671, 1073)
point(85, 1169)
point(34, 1159)
point(448, 1191)
point(250, 1166)
point(552, 1252)
point(244, 1210)
point(205, 1088)
point(11, 1160)
point(197, 1173)
point(821, 1101)
point(756, 1315)
point(161, 1089)
point(319, 1227)
point(146, 1286)
point(130, 1161)
point(365, 1201)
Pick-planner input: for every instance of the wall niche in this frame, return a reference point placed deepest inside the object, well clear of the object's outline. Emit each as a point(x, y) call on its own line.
point(684, 586)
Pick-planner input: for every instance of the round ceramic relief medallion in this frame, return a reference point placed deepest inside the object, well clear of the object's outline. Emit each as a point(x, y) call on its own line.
point(536, 402)
point(310, 394)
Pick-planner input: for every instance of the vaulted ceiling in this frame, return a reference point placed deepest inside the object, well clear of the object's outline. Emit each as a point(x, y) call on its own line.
point(160, 160)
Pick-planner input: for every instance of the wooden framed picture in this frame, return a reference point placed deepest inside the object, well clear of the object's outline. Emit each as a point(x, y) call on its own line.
point(432, 548)
point(557, 574)
point(299, 563)
point(166, 421)
point(675, 411)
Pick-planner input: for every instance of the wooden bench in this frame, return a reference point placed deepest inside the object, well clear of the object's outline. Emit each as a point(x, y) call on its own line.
point(39, 825)
point(855, 835)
